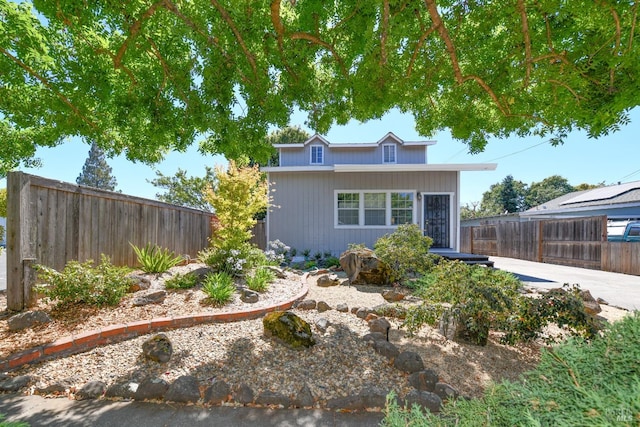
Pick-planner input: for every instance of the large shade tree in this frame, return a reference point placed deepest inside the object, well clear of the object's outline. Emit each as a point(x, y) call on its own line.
point(145, 77)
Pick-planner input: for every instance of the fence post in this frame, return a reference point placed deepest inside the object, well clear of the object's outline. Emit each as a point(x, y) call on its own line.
point(471, 240)
point(20, 241)
point(540, 241)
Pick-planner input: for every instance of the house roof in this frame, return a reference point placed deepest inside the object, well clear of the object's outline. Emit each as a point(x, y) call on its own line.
point(320, 139)
point(420, 167)
point(621, 195)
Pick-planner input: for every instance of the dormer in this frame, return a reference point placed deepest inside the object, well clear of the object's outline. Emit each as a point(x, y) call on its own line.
point(318, 153)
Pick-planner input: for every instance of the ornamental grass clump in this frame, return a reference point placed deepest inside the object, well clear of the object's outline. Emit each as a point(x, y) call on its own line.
point(82, 283)
point(219, 288)
point(260, 280)
point(154, 259)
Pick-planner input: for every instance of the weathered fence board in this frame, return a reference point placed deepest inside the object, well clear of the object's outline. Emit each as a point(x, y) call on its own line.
point(51, 223)
point(578, 242)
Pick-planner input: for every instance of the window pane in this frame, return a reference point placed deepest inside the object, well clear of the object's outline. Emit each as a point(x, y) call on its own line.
point(316, 154)
point(389, 153)
point(348, 200)
point(348, 217)
point(401, 208)
point(374, 200)
point(374, 217)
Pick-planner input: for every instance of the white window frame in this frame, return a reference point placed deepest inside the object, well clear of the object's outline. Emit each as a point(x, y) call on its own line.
point(361, 208)
point(395, 153)
point(321, 148)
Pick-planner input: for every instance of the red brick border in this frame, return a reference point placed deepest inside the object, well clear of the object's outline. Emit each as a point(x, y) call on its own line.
point(115, 333)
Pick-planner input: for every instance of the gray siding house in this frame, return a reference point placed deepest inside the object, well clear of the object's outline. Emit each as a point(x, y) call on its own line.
point(328, 195)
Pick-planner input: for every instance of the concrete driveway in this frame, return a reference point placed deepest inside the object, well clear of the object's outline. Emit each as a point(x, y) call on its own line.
point(619, 290)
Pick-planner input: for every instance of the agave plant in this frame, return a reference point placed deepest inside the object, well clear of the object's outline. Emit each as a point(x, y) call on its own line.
point(155, 259)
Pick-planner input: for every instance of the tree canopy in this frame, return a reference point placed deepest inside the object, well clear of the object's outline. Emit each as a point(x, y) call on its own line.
point(511, 195)
point(142, 78)
point(96, 172)
point(183, 190)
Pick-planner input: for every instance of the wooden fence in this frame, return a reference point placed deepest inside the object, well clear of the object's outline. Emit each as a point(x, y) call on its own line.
point(577, 242)
point(51, 222)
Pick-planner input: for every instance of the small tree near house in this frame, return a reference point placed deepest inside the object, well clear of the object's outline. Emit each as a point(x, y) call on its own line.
point(239, 194)
point(96, 172)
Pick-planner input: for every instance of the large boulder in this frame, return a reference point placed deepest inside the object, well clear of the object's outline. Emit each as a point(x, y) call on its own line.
point(288, 328)
point(363, 267)
point(27, 320)
point(158, 348)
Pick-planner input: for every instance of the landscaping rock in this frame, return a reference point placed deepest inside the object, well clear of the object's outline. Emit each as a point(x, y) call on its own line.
point(58, 387)
point(409, 361)
point(158, 348)
point(381, 325)
point(425, 380)
point(370, 398)
point(243, 394)
point(374, 336)
point(424, 399)
point(386, 349)
point(363, 312)
point(364, 268)
point(27, 320)
point(307, 304)
point(342, 308)
point(454, 328)
point(150, 297)
point(218, 392)
point(249, 296)
point(125, 390)
point(13, 384)
point(354, 310)
point(91, 390)
point(392, 295)
point(151, 388)
point(327, 280)
point(272, 398)
point(445, 391)
point(304, 399)
point(322, 325)
point(591, 306)
point(279, 273)
point(184, 389)
point(288, 328)
point(139, 282)
point(322, 307)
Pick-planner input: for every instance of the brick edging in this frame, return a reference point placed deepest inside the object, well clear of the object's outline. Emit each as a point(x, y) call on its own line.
point(111, 334)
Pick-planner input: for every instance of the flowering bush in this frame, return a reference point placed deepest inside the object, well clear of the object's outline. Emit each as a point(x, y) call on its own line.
point(276, 252)
point(234, 261)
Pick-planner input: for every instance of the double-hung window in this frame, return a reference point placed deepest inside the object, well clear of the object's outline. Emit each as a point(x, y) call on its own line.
point(374, 208)
point(317, 154)
point(388, 153)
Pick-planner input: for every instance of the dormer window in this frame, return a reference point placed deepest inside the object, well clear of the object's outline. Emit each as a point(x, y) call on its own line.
point(389, 153)
point(317, 154)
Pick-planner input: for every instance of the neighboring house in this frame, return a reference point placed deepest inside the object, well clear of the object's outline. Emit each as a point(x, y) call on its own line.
point(328, 195)
point(621, 201)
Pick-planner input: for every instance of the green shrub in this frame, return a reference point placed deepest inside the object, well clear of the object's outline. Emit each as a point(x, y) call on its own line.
point(154, 259)
point(330, 261)
point(182, 281)
point(479, 297)
point(577, 383)
point(81, 283)
point(219, 288)
point(484, 298)
point(405, 251)
point(4, 423)
point(234, 261)
point(260, 280)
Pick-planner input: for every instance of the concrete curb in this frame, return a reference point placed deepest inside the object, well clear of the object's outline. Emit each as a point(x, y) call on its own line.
point(88, 340)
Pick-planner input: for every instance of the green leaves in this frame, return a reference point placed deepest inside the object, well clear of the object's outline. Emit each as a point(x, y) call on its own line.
point(154, 259)
point(143, 79)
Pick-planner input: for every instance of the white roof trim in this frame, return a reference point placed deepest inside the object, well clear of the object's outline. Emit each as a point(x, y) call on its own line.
point(453, 167)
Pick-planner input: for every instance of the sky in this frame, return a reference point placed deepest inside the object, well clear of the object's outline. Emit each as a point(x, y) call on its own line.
point(609, 159)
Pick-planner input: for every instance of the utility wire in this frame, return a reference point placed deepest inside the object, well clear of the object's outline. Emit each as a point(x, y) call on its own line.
point(520, 151)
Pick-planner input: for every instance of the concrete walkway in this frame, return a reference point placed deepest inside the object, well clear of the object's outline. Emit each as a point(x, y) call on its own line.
point(619, 290)
point(38, 411)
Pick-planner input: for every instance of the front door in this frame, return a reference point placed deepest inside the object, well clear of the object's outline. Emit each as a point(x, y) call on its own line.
point(437, 219)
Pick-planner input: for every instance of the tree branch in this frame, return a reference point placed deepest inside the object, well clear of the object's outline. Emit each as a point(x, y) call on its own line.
point(49, 86)
point(527, 41)
point(236, 32)
point(567, 87)
point(633, 26)
point(318, 41)
point(423, 37)
point(432, 7)
point(385, 32)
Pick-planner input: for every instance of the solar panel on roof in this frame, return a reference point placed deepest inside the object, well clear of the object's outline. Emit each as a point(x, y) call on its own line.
point(603, 193)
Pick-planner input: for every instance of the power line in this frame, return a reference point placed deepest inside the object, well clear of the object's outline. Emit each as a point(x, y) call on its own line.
point(520, 151)
point(630, 175)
